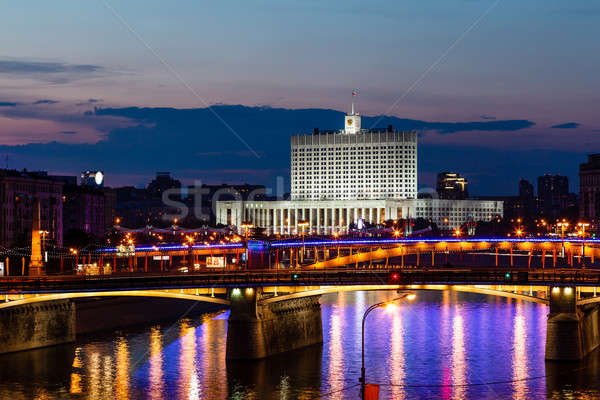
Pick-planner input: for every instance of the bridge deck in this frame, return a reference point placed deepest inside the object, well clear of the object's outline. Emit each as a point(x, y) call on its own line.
point(301, 277)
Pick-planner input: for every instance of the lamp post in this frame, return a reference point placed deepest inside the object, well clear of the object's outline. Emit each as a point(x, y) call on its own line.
point(362, 379)
point(302, 225)
point(583, 225)
point(562, 225)
point(246, 226)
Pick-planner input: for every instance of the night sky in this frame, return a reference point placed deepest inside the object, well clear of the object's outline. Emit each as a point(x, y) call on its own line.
point(498, 90)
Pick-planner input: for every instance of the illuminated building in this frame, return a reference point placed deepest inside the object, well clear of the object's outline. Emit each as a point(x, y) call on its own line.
point(452, 186)
point(349, 176)
point(354, 163)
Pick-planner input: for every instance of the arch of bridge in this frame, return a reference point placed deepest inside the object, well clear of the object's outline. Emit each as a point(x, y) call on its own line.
point(460, 288)
point(122, 293)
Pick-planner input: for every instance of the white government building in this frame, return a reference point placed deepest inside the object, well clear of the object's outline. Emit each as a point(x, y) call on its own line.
point(340, 177)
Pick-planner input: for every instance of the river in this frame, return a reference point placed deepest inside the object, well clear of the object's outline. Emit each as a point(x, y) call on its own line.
point(442, 345)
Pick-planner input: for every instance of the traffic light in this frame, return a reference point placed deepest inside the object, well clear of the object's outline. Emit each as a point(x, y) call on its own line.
point(394, 276)
point(295, 277)
point(507, 276)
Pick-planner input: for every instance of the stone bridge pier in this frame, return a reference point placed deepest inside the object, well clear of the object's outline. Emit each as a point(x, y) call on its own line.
point(259, 327)
point(572, 330)
point(31, 326)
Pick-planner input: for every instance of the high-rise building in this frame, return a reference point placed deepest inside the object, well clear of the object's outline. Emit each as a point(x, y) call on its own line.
point(589, 189)
point(354, 163)
point(553, 195)
point(452, 186)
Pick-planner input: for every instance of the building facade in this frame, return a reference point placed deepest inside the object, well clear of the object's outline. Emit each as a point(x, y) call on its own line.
point(19, 191)
point(354, 163)
point(329, 216)
point(589, 190)
point(84, 209)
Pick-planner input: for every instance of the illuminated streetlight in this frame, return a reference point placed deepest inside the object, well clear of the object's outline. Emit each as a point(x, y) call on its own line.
point(302, 225)
point(362, 379)
point(583, 225)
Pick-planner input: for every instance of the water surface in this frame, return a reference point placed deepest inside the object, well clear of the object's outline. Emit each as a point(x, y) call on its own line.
point(444, 345)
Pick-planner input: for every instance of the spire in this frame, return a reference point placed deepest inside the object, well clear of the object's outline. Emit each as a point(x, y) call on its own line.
point(354, 94)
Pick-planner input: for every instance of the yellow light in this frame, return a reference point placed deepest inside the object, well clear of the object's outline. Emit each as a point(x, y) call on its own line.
point(411, 296)
point(568, 290)
point(555, 290)
point(249, 291)
point(390, 307)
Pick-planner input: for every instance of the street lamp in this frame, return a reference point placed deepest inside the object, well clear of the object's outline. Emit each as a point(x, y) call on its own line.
point(246, 226)
point(457, 233)
point(362, 379)
point(562, 225)
point(583, 225)
point(302, 225)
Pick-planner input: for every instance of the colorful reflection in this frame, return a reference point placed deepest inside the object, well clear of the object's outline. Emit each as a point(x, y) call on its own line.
point(444, 344)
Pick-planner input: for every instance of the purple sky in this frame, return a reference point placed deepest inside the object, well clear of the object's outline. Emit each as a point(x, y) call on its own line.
point(437, 61)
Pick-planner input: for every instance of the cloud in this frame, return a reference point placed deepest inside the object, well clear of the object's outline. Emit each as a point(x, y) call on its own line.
point(68, 132)
point(181, 140)
point(8, 104)
point(54, 72)
point(568, 125)
point(484, 116)
point(46, 102)
point(89, 101)
point(450, 127)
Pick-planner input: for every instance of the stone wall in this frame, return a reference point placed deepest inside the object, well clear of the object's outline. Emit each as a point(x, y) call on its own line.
point(257, 330)
point(572, 331)
point(36, 325)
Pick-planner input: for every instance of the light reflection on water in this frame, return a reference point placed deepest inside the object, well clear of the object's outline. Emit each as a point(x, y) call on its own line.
point(444, 345)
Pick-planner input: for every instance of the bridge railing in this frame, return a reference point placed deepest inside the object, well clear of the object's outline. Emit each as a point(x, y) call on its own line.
point(300, 277)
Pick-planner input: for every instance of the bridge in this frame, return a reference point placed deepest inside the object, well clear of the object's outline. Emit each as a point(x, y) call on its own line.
point(273, 287)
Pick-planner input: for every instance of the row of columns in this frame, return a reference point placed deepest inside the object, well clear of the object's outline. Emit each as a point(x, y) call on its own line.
point(321, 220)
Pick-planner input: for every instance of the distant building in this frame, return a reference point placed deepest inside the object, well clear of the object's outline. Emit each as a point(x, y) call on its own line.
point(84, 210)
point(451, 186)
point(553, 195)
point(92, 178)
point(18, 192)
point(525, 205)
point(526, 191)
point(162, 183)
point(589, 189)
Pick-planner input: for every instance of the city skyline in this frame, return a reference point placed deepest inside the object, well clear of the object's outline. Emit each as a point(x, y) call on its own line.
point(480, 63)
